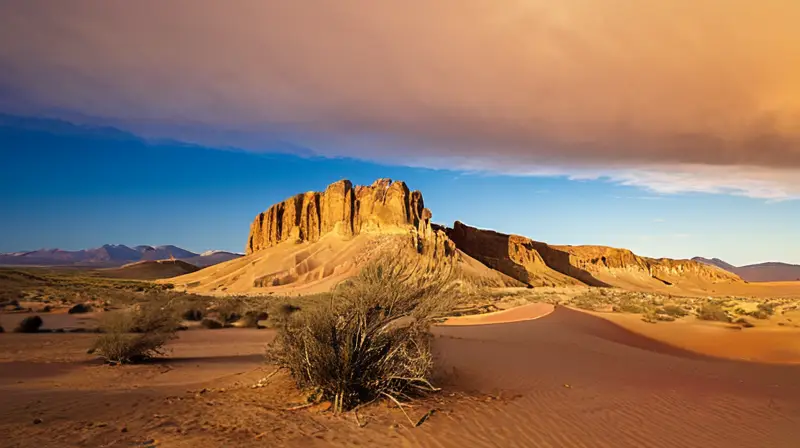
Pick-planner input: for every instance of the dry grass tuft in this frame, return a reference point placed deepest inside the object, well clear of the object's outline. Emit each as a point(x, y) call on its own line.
point(212, 324)
point(713, 312)
point(371, 340)
point(136, 335)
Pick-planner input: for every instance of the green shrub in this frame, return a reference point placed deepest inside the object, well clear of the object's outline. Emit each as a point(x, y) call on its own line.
point(30, 324)
point(371, 339)
point(136, 335)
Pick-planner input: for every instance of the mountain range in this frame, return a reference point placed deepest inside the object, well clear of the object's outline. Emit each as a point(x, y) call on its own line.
point(112, 255)
point(761, 272)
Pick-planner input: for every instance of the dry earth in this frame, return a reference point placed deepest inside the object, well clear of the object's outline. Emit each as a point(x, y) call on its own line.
point(564, 379)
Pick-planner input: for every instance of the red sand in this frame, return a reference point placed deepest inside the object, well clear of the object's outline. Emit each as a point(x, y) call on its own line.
point(567, 379)
point(517, 314)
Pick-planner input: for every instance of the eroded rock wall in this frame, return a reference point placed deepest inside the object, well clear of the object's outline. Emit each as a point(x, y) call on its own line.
point(533, 262)
point(349, 210)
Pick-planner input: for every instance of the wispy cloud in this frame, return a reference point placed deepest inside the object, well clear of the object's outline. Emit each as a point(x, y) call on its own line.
point(672, 97)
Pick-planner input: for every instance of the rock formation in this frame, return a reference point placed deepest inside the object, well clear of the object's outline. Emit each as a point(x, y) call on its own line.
point(513, 255)
point(384, 206)
point(538, 263)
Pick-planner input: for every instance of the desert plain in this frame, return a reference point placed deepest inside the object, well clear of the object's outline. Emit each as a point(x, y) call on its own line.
point(551, 346)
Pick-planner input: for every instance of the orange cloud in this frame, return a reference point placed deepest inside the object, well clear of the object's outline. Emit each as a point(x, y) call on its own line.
point(591, 84)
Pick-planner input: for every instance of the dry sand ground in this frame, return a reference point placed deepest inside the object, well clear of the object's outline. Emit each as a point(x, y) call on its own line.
point(566, 379)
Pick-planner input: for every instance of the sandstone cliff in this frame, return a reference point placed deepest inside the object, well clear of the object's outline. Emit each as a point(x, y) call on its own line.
point(537, 263)
point(348, 210)
point(513, 255)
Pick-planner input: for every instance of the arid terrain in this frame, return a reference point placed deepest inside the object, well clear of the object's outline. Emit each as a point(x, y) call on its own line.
point(547, 345)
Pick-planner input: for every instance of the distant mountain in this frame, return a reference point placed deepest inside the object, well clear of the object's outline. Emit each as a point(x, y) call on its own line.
point(113, 256)
point(164, 252)
point(761, 272)
point(212, 257)
point(716, 262)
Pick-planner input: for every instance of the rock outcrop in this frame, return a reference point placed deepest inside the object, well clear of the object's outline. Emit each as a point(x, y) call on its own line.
point(513, 255)
point(384, 206)
point(538, 263)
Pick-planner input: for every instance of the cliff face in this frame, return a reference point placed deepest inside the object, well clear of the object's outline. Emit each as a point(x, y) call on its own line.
point(349, 210)
point(534, 262)
point(513, 255)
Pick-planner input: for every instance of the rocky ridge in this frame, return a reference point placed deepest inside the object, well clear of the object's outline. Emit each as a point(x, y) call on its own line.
point(538, 263)
point(388, 207)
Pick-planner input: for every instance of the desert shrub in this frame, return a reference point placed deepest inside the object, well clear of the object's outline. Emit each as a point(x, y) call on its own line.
point(136, 335)
point(279, 314)
point(744, 323)
point(767, 309)
point(13, 303)
point(371, 339)
point(628, 307)
point(80, 309)
point(713, 312)
point(192, 314)
point(288, 309)
point(30, 324)
point(211, 324)
point(673, 310)
point(587, 301)
point(251, 319)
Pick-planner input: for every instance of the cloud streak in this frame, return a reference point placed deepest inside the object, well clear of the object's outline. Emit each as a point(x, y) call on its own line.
point(676, 96)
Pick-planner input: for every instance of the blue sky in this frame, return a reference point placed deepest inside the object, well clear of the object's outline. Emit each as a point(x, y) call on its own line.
point(76, 187)
point(663, 127)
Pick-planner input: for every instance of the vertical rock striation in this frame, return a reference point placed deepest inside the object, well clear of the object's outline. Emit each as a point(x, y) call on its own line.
point(343, 208)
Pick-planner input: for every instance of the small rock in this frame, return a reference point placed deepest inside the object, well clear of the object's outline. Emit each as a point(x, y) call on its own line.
point(124, 429)
point(37, 421)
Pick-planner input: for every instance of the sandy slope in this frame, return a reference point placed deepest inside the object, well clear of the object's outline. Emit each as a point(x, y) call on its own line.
point(149, 270)
point(766, 342)
point(521, 313)
point(690, 286)
point(294, 267)
point(308, 268)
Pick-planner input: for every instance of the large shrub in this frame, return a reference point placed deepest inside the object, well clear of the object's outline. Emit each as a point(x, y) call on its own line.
point(371, 339)
point(137, 334)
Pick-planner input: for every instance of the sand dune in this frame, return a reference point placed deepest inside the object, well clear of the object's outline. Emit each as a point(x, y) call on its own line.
point(149, 270)
point(568, 379)
point(583, 381)
point(764, 343)
point(521, 313)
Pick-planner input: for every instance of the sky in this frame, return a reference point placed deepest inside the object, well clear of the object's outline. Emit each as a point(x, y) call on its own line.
point(672, 129)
